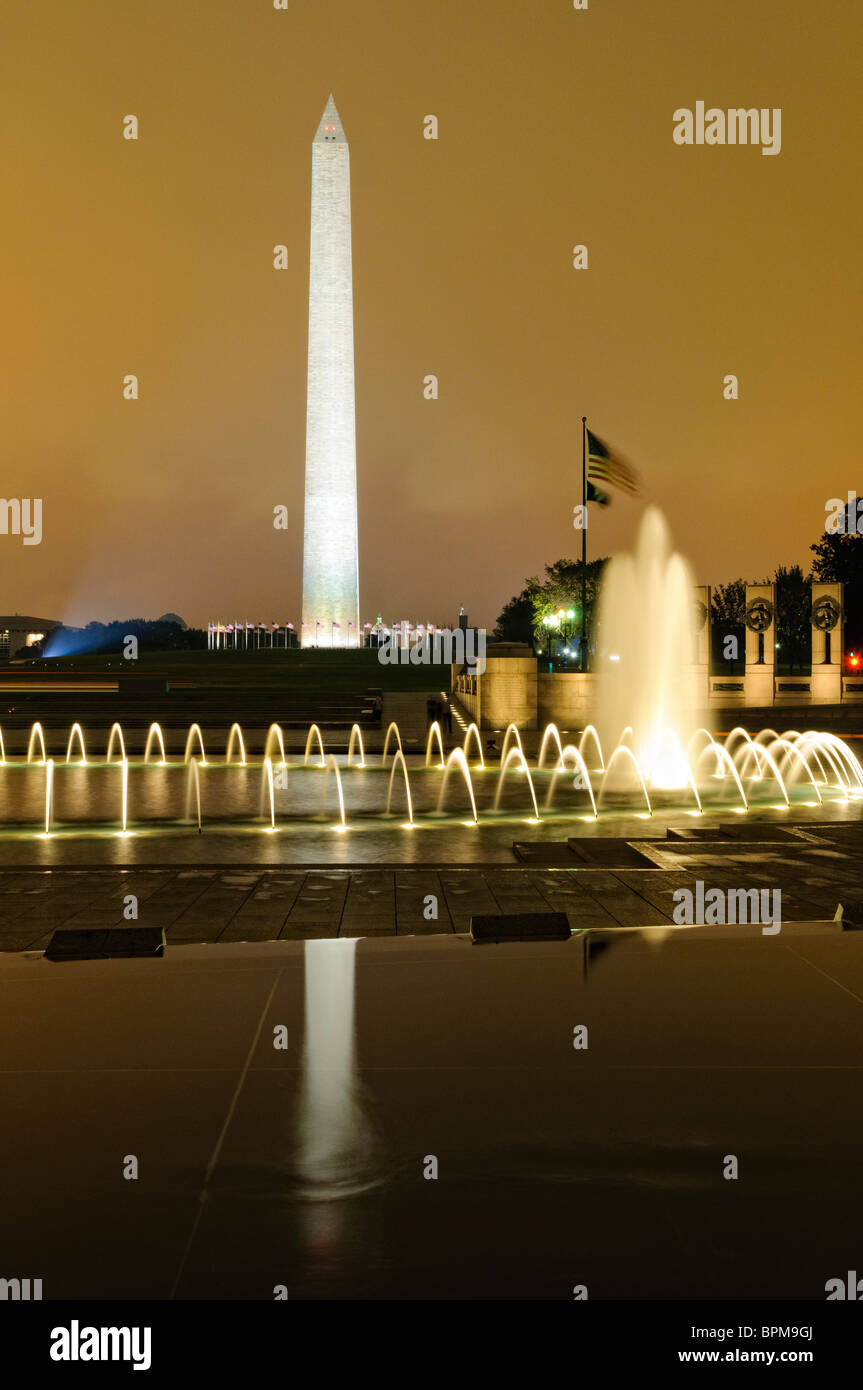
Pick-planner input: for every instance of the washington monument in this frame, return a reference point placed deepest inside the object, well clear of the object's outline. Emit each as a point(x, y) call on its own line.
point(330, 566)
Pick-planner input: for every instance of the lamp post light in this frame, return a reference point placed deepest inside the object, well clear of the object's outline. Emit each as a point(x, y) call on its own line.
point(551, 622)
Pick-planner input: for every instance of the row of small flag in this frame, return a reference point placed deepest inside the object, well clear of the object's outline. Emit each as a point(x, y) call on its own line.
point(229, 627)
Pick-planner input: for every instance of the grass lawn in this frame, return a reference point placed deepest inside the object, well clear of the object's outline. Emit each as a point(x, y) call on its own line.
point(300, 670)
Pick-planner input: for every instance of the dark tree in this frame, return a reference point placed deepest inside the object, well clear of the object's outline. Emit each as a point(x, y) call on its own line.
point(793, 618)
point(839, 559)
point(522, 618)
point(728, 614)
point(515, 623)
point(110, 637)
point(562, 591)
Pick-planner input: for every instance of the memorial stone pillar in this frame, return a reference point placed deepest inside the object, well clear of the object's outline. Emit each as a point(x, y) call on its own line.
point(758, 681)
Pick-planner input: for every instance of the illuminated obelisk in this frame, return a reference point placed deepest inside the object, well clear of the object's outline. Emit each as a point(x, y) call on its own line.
point(330, 565)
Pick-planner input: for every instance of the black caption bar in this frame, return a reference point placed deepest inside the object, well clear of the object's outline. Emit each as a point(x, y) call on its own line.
point(153, 1339)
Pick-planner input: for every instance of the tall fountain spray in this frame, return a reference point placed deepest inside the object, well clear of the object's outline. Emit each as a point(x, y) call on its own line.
point(645, 655)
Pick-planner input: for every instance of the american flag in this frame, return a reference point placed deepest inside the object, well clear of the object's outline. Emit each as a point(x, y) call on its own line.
point(606, 465)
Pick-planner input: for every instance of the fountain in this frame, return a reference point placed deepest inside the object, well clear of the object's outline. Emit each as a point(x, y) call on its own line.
point(645, 650)
point(399, 761)
point(435, 733)
point(49, 793)
point(314, 732)
point(738, 772)
point(457, 759)
point(236, 736)
point(194, 732)
point(515, 755)
point(274, 736)
point(511, 735)
point(36, 732)
point(332, 765)
point(193, 790)
point(646, 754)
point(268, 790)
point(551, 736)
point(116, 734)
point(571, 760)
point(590, 732)
point(77, 732)
point(392, 729)
point(154, 732)
point(356, 737)
point(124, 796)
point(473, 733)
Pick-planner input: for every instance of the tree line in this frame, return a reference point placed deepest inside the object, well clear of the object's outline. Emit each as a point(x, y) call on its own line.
point(530, 616)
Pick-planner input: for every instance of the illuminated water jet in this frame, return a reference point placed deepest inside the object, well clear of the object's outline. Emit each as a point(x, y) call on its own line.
point(36, 732)
point(115, 735)
point(333, 767)
point(193, 791)
point(76, 732)
point(571, 760)
point(154, 732)
point(515, 755)
point(551, 735)
point(399, 761)
point(268, 791)
point(314, 732)
point(457, 759)
point(646, 620)
point(235, 736)
point(124, 805)
point(49, 793)
point(391, 729)
point(473, 732)
point(356, 736)
point(435, 733)
point(590, 732)
point(194, 732)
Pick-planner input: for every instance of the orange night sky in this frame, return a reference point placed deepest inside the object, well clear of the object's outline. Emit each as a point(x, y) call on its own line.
point(155, 258)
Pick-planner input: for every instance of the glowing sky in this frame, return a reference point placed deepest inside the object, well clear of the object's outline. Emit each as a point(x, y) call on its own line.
point(155, 257)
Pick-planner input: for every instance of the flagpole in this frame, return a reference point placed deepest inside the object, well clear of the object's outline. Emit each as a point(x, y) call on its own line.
point(583, 537)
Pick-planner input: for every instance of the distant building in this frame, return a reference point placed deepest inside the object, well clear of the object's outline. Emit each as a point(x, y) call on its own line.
point(18, 632)
point(172, 618)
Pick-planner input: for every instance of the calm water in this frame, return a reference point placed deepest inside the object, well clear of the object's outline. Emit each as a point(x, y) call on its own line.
point(430, 1131)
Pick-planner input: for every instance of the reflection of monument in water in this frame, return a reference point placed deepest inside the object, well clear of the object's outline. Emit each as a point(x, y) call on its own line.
point(330, 552)
point(335, 1138)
